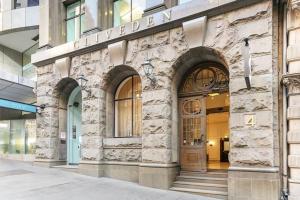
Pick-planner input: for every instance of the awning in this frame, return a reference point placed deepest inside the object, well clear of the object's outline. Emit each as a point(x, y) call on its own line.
point(4, 103)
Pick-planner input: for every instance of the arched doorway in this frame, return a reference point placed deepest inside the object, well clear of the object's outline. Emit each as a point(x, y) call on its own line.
point(74, 126)
point(203, 118)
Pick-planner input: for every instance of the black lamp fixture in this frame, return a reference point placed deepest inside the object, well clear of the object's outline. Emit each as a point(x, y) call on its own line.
point(82, 81)
point(40, 108)
point(148, 70)
point(247, 63)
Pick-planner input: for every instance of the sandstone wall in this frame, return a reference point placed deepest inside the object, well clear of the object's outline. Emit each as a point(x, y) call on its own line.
point(250, 146)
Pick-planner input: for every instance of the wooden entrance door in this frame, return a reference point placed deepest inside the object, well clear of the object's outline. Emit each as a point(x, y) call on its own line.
point(193, 133)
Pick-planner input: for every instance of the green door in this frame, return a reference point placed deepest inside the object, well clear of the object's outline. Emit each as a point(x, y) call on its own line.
point(74, 126)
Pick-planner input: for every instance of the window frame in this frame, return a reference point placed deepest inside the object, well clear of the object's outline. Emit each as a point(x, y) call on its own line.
point(132, 98)
point(79, 16)
point(131, 13)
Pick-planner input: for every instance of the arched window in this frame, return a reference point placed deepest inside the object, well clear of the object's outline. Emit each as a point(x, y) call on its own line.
point(128, 108)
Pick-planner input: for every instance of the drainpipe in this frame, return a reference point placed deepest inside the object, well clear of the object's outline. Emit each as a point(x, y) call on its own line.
point(284, 194)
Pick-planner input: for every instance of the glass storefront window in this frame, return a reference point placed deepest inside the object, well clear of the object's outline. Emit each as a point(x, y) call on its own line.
point(4, 136)
point(17, 136)
point(128, 108)
point(128, 10)
point(33, 3)
point(29, 70)
point(75, 20)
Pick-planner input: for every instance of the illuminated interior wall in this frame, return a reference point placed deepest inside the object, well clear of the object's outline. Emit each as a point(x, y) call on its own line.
point(217, 124)
point(217, 127)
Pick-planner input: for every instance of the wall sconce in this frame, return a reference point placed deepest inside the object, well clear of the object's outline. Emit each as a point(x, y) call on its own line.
point(40, 108)
point(148, 70)
point(210, 143)
point(247, 63)
point(82, 81)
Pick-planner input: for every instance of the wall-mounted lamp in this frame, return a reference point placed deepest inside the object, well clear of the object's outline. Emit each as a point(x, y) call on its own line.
point(82, 81)
point(148, 70)
point(247, 63)
point(40, 108)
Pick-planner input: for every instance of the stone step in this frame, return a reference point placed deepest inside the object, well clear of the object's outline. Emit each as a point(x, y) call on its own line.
point(202, 192)
point(205, 174)
point(203, 179)
point(201, 186)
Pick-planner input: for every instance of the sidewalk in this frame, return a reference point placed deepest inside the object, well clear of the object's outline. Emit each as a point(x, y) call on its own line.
point(22, 181)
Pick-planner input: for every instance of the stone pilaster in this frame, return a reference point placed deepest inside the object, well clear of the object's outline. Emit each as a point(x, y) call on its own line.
point(93, 115)
point(52, 23)
point(291, 80)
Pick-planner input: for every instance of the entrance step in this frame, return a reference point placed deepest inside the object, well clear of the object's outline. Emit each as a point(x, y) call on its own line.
point(69, 168)
point(210, 184)
point(207, 193)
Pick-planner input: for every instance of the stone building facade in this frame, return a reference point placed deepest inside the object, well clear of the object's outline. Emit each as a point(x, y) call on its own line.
point(175, 40)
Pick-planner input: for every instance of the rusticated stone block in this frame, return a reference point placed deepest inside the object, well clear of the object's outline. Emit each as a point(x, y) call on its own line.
point(157, 141)
point(85, 59)
point(145, 43)
point(122, 142)
point(161, 38)
point(92, 142)
point(91, 154)
point(157, 126)
point(252, 139)
point(47, 143)
point(249, 13)
point(47, 69)
point(162, 82)
point(261, 157)
point(251, 102)
point(92, 129)
point(262, 83)
point(129, 155)
point(177, 40)
point(160, 111)
point(154, 97)
point(46, 153)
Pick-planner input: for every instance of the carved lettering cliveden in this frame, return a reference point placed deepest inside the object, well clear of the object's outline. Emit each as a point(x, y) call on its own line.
point(167, 15)
point(108, 33)
point(150, 21)
point(122, 30)
point(135, 26)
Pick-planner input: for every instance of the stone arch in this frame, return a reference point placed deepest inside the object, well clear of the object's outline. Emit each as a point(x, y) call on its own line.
point(61, 93)
point(111, 81)
point(182, 66)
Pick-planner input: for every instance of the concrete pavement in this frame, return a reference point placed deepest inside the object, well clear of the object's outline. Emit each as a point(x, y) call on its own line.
point(22, 181)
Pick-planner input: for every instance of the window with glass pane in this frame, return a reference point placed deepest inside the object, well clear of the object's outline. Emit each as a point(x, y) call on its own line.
point(75, 20)
point(128, 10)
point(128, 108)
point(183, 1)
point(33, 3)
